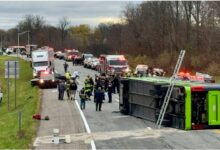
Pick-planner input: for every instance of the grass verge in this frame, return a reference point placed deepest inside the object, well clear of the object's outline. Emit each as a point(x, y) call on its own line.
point(27, 103)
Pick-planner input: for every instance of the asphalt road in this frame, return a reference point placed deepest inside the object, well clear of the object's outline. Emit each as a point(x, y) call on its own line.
point(112, 130)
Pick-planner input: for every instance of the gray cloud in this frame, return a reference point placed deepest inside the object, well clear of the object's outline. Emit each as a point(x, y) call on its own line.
point(89, 12)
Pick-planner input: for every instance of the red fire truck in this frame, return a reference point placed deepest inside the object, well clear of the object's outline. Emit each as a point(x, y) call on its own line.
point(113, 64)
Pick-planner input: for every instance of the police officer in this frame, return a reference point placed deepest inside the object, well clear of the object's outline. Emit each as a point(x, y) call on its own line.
point(109, 92)
point(116, 83)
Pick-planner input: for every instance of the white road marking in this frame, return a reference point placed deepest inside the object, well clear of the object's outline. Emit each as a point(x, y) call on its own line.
point(120, 117)
point(86, 125)
point(116, 99)
point(149, 128)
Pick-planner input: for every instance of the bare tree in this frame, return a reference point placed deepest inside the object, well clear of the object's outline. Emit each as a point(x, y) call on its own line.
point(63, 26)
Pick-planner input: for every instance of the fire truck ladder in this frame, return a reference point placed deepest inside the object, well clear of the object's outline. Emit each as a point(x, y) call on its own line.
point(170, 89)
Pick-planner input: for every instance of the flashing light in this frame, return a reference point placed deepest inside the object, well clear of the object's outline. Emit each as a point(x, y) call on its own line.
point(181, 73)
point(197, 88)
point(121, 58)
point(46, 72)
point(41, 81)
point(197, 126)
point(187, 74)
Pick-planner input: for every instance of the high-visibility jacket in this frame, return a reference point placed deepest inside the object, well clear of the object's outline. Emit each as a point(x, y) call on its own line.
point(68, 75)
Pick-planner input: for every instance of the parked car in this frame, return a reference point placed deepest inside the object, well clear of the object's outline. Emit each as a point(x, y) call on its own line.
point(57, 54)
point(141, 69)
point(86, 62)
point(94, 63)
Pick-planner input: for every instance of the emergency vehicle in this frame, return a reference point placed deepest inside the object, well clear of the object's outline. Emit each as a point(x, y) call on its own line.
point(70, 54)
point(42, 60)
point(113, 64)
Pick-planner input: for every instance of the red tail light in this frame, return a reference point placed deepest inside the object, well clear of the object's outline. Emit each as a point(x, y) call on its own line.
point(197, 126)
point(197, 88)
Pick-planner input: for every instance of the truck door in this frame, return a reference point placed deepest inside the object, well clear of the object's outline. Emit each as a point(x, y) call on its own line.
point(214, 107)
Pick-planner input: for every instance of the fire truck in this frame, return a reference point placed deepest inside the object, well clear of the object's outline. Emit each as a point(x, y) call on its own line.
point(113, 64)
point(70, 54)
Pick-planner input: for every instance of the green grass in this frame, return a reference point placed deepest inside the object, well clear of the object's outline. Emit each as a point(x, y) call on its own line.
point(27, 102)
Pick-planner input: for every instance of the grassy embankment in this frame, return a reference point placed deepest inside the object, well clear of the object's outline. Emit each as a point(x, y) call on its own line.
point(27, 102)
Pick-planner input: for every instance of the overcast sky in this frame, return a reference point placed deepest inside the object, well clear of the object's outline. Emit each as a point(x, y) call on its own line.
point(78, 12)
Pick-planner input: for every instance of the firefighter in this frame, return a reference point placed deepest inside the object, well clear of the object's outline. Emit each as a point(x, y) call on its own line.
point(88, 86)
point(65, 65)
point(91, 83)
point(83, 98)
point(99, 98)
point(68, 75)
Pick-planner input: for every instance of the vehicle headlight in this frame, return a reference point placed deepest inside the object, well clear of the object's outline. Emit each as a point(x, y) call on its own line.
point(41, 81)
point(127, 70)
point(34, 74)
point(53, 80)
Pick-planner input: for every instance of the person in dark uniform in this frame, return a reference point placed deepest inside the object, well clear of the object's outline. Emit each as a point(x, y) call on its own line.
point(116, 84)
point(61, 89)
point(99, 98)
point(65, 65)
point(109, 92)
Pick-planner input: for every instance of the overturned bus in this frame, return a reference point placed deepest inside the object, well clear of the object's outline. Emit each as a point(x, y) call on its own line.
point(193, 105)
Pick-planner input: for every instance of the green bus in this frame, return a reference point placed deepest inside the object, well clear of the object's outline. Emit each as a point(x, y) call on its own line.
point(193, 105)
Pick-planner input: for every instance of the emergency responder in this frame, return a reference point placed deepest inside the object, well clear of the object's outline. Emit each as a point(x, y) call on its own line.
point(61, 89)
point(99, 98)
point(83, 98)
point(65, 65)
point(109, 92)
point(91, 82)
point(68, 75)
point(73, 88)
point(67, 87)
point(88, 86)
point(116, 83)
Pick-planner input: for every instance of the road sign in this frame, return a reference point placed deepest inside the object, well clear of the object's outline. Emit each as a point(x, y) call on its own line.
point(12, 69)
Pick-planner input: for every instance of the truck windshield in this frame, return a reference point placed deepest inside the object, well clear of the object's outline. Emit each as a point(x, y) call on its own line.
point(118, 62)
point(38, 64)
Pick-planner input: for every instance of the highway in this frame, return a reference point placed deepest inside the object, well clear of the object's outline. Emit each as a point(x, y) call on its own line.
point(109, 129)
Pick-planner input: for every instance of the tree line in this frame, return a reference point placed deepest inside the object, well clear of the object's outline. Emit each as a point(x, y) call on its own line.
point(153, 32)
